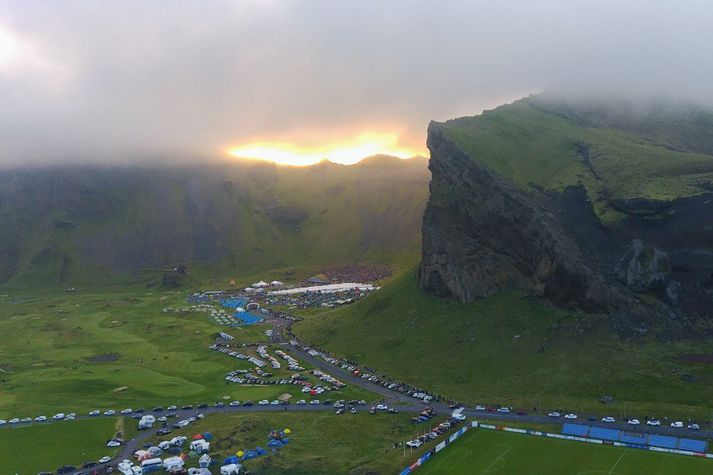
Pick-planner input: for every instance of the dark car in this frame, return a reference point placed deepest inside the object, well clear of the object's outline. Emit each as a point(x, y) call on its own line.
point(66, 468)
point(163, 431)
point(219, 404)
point(248, 403)
point(187, 407)
point(202, 406)
point(89, 464)
point(391, 410)
point(176, 425)
point(157, 409)
point(136, 416)
point(140, 410)
point(327, 402)
point(592, 418)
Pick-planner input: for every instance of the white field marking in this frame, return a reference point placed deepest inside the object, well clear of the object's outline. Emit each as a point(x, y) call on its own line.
point(617, 461)
point(497, 459)
point(442, 458)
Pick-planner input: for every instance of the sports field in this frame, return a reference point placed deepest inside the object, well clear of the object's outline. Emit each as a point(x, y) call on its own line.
point(483, 451)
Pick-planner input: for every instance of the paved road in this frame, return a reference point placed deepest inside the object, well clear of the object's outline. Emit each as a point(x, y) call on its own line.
point(395, 399)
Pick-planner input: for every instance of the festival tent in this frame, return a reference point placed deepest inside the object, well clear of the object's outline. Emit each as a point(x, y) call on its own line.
point(260, 284)
point(274, 443)
point(231, 469)
point(277, 283)
point(231, 460)
point(287, 431)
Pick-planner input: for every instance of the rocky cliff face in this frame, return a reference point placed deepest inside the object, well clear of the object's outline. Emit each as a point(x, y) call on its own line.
point(482, 234)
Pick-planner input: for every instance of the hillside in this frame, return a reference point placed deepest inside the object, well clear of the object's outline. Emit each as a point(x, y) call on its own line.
point(600, 206)
point(76, 226)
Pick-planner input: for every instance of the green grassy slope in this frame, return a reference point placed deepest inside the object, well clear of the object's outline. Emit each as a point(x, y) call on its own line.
point(511, 349)
point(660, 153)
point(86, 226)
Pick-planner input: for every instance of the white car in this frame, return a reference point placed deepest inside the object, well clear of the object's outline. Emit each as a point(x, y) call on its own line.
point(414, 444)
point(264, 402)
point(40, 419)
point(110, 412)
point(653, 422)
point(571, 416)
point(301, 402)
point(677, 424)
point(504, 410)
point(479, 408)
point(113, 443)
point(59, 416)
point(104, 460)
point(126, 411)
point(3, 422)
point(315, 402)
point(554, 414)
point(275, 402)
point(26, 420)
point(608, 419)
point(171, 408)
point(694, 427)
point(14, 421)
point(162, 419)
point(70, 417)
point(382, 407)
point(95, 412)
point(234, 403)
point(633, 422)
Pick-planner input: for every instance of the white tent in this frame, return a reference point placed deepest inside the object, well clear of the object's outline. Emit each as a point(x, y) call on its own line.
point(173, 463)
point(231, 469)
point(262, 283)
point(277, 283)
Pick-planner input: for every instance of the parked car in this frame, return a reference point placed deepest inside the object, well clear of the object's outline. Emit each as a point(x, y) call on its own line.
point(653, 422)
point(504, 410)
point(187, 407)
point(26, 420)
point(694, 426)
point(340, 411)
point(126, 411)
point(234, 403)
point(14, 421)
point(301, 402)
point(3, 422)
point(570, 416)
point(392, 410)
point(381, 407)
point(315, 402)
point(554, 414)
point(608, 419)
point(110, 412)
point(479, 408)
point(105, 459)
point(219, 404)
point(171, 408)
point(113, 443)
point(248, 403)
point(40, 419)
point(677, 424)
point(414, 444)
point(95, 412)
point(59, 416)
point(633, 422)
point(264, 402)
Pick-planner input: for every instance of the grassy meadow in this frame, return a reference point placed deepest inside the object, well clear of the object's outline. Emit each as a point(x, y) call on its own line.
point(75, 352)
point(509, 349)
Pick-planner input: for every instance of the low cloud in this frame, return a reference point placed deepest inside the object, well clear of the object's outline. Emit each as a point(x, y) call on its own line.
point(136, 82)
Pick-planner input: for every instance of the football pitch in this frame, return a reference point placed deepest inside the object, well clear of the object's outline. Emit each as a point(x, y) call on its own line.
point(484, 451)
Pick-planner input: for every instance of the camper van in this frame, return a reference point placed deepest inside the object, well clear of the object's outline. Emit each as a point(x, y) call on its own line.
point(151, 465)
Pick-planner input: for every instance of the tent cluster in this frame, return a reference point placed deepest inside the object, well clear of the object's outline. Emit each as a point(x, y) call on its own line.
point(278, 438)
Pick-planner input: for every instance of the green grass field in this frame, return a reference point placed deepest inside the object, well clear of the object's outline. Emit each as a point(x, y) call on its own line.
point(83, 351)
point(483, 451)
point(320, 443)
point(471, 352)
point(30, 449)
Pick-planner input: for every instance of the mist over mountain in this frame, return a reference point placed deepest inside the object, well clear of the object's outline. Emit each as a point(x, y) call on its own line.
point(77, 225)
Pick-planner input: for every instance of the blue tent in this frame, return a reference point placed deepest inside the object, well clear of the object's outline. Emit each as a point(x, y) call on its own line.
point(274, 443)
point(208, 436)
point(260, 451)
point(231, 460)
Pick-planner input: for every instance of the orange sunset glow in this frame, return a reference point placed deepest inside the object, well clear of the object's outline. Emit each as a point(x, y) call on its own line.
point(345, 152)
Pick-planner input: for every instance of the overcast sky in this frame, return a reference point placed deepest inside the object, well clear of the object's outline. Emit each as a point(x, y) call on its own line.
point(134, 81)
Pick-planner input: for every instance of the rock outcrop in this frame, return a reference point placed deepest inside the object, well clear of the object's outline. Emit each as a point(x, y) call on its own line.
point(483, 234)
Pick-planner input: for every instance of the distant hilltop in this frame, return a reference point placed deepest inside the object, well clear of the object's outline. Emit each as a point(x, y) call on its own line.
point(599, 205)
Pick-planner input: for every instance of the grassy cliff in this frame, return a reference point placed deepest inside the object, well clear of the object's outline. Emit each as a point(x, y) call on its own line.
point(616, 150)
